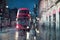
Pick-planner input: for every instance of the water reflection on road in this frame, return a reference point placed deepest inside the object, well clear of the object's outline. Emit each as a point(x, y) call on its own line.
point(12, 35)
point(16, 35)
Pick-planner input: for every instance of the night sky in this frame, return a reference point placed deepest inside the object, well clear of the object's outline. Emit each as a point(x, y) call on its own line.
point(22, 3)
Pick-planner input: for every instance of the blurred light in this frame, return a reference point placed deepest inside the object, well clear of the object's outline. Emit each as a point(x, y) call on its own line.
point(34, 37)
point(30, 12)
point(34, 20)
point(16, 19)
point(6, 6)
point(30, 19)
point(27, 27)
point(29, 15)
point(17, 26)
point(37, 18)
point(27, 35)
point(34, 5)
point(1, 9)
point(16, 35)
point(37, 31)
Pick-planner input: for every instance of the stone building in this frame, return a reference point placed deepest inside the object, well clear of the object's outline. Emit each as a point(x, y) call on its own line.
point(49, 14)
point(4, 14)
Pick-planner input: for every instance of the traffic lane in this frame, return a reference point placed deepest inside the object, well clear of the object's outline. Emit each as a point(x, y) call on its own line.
point(3, 36)
point(6, 35)
point(12, 35)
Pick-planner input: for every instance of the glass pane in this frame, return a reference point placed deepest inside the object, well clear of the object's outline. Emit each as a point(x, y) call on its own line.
point(54, 27)
point(24, 11)
point(49, 27)
point(59, 27)
point(23, 21)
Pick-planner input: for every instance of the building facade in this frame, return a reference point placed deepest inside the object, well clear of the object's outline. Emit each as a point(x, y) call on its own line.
point(49, 13)
point(4, 14)
point(13, 13)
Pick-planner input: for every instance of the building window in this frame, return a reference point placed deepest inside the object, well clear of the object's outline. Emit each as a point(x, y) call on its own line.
point(54, 27)
point(49, 27)
point(59, 27)
point(59, 19)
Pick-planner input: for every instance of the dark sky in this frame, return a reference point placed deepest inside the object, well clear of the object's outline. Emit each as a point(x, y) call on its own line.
point(22, 3)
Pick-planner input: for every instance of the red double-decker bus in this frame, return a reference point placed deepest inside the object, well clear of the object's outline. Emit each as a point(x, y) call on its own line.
point(22, 20)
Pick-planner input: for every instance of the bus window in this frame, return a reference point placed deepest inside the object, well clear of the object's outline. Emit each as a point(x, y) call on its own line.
point(23, 21)
point(24, 11)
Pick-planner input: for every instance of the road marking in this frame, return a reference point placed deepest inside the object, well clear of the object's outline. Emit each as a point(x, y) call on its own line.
point(16, 35)
point(27, 35)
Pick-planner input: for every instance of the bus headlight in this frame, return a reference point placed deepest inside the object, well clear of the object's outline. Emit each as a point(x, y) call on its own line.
point(27, 27)
point(17, 26)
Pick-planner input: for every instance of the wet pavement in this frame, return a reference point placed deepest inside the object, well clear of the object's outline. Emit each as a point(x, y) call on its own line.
point(12, 34)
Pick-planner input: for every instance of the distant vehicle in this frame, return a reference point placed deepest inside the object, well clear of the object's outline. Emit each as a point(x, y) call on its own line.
point(22, 19)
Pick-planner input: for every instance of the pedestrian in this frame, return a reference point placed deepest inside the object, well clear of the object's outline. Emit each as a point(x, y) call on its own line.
point(32, 34)
point(22, 35)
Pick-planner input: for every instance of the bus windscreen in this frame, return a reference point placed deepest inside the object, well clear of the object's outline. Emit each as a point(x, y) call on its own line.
point(24, 11)
point(23, 21)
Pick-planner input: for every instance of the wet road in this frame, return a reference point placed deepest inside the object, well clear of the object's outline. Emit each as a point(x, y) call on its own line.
point(12, 34)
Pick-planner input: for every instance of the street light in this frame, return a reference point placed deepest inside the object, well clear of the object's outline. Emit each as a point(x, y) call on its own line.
point(6, 6)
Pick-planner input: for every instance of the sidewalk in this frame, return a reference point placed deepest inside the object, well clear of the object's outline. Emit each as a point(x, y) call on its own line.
point(4, 30)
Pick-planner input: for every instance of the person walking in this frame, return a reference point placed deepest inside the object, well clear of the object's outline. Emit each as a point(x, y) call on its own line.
point(32, 34)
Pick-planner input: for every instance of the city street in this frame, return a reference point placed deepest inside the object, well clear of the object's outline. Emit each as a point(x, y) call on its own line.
point(21, 15)
point(12, 34)
point(29, 19)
